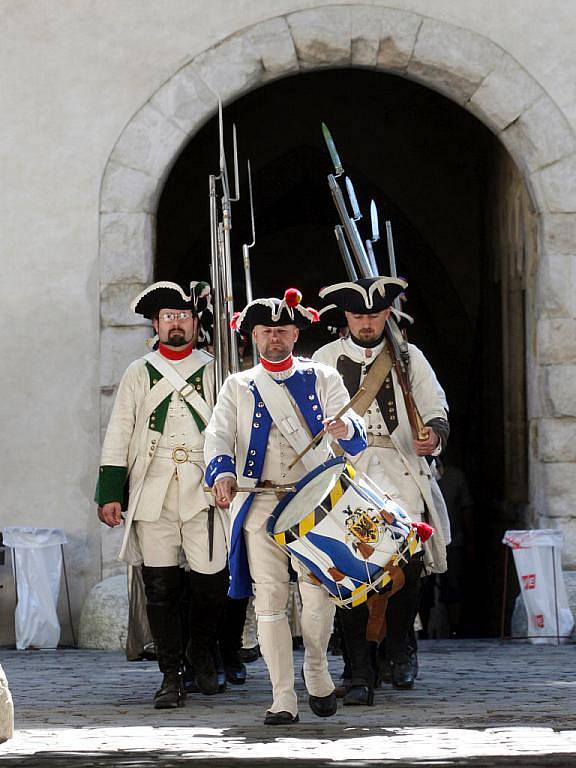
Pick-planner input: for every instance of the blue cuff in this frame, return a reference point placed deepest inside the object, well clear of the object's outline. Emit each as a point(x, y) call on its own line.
point(217, 466)
point(358, 440)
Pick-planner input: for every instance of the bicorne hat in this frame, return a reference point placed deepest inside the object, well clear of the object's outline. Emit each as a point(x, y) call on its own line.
point(272, 312)
point(364, 296)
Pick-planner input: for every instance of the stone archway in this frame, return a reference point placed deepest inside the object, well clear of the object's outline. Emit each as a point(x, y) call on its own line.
point(464, 66)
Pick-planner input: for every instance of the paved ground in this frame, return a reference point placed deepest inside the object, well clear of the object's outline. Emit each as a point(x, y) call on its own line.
point(477, 703)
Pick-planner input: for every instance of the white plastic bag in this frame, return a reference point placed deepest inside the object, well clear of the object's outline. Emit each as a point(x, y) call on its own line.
point(37, 562)
point(539, 568)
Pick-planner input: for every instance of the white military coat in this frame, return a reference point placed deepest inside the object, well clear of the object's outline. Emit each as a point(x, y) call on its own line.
point(133, 439)
point(237, 438)
point(397, 469)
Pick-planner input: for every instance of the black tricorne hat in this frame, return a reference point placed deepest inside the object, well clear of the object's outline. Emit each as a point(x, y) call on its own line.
point(161, 295)
point(272, 312)
point(364, 296)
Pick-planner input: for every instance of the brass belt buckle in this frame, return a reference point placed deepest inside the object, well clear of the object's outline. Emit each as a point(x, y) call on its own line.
point(180, 455)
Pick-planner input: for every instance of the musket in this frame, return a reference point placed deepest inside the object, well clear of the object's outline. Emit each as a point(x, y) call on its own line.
point(348, 223)
point(400, 353)
point(246, 258)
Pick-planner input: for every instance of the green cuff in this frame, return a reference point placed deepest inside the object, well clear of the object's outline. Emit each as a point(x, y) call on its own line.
point(110, 486)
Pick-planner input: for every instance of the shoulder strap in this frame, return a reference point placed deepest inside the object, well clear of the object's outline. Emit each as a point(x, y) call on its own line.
point(284, 415)
point(375, 377)
point(180, 384)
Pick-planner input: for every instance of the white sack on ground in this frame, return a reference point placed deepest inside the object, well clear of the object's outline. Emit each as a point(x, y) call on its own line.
point(37, 562)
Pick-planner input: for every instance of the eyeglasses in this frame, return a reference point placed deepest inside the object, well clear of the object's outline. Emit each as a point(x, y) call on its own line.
point(170, 317)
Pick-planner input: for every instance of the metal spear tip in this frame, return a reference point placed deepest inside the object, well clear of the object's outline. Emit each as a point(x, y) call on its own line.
point(336, 162)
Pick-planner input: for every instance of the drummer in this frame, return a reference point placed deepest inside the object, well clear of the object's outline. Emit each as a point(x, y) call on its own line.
point(262, 419)
point(394, 461)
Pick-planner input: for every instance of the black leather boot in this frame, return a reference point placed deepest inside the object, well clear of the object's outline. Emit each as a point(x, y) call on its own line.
point(360, 690)
point(400, 638)
point(207, 598)
point(162, 587)
point(230, 639)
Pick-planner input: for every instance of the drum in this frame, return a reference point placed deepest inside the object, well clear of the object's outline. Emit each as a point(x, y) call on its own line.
point(349, 535)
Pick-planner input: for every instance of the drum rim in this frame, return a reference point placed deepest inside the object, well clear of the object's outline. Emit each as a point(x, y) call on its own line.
point(302, 483)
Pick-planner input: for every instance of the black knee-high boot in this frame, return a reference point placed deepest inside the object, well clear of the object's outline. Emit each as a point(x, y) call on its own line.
point(207, 600)
point(400, 615)
point(162, 587)
point(353, 622)
point(230, 639)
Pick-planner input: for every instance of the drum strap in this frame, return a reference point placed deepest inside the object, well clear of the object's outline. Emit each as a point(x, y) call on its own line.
point(284, 415)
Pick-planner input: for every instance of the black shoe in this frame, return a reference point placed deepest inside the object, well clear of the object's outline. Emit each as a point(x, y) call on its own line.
point(206, 675)
point(324, 706)
point(171, 693)
point(248, 655)
point(280, 718)
point(236, 673)
point(402, 675)
point(359, 696)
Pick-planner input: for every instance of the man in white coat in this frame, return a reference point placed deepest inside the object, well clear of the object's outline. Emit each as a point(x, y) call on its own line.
point(152, 466)
point(394, 460)
point(263, 418)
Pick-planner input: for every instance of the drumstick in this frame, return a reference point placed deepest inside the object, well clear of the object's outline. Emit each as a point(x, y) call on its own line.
point(315, 440)
point(248, 489)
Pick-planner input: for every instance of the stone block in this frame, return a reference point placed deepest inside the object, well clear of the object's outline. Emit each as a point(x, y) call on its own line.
point(118, 348)
point(107, 396)
point(556, 294)
point(559, 233)
point(504, 94)
point(366, 22)
point(231, 68)
point(111, 542)
point(322, 36)
point(149, 143)
point(556, 340)
point(273, 43)
point(104, 619)
point(540, 136)
point(126, 247)
point(568, 527)
point(558, 184)
point(128, 190)
point(557, 441)
point(6, 709)
point(452, 60)
point(558, 488)
point(398, 35)
point(115, 302)
point(560, 390)
point(186, 99)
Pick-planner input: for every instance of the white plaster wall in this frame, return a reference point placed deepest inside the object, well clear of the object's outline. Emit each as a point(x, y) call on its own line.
point(73, 74)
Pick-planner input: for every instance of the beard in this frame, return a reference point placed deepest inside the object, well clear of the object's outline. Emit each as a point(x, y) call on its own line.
point(176, 338)
point(367, 338)
point(274, 353)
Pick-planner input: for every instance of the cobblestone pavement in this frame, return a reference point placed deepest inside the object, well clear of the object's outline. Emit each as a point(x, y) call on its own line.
point(477, 703)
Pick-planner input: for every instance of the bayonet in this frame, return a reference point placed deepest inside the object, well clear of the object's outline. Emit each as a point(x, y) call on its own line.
point(374, 221)
point(356, 215)
point(338, 169)
point(392, 259)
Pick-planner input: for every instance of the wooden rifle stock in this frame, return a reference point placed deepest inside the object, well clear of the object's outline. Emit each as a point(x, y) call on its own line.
point(419, 429)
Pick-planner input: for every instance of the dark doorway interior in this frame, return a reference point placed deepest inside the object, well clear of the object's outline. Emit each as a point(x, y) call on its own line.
point(436, 172)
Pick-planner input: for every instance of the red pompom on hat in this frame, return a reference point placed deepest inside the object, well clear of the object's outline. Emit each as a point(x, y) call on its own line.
point(292, 297)
point(423, 530)
point(315, 314)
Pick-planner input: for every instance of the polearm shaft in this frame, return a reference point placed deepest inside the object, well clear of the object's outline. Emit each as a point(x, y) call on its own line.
point(350, 228)
point(345, 253)
point(392, 259)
